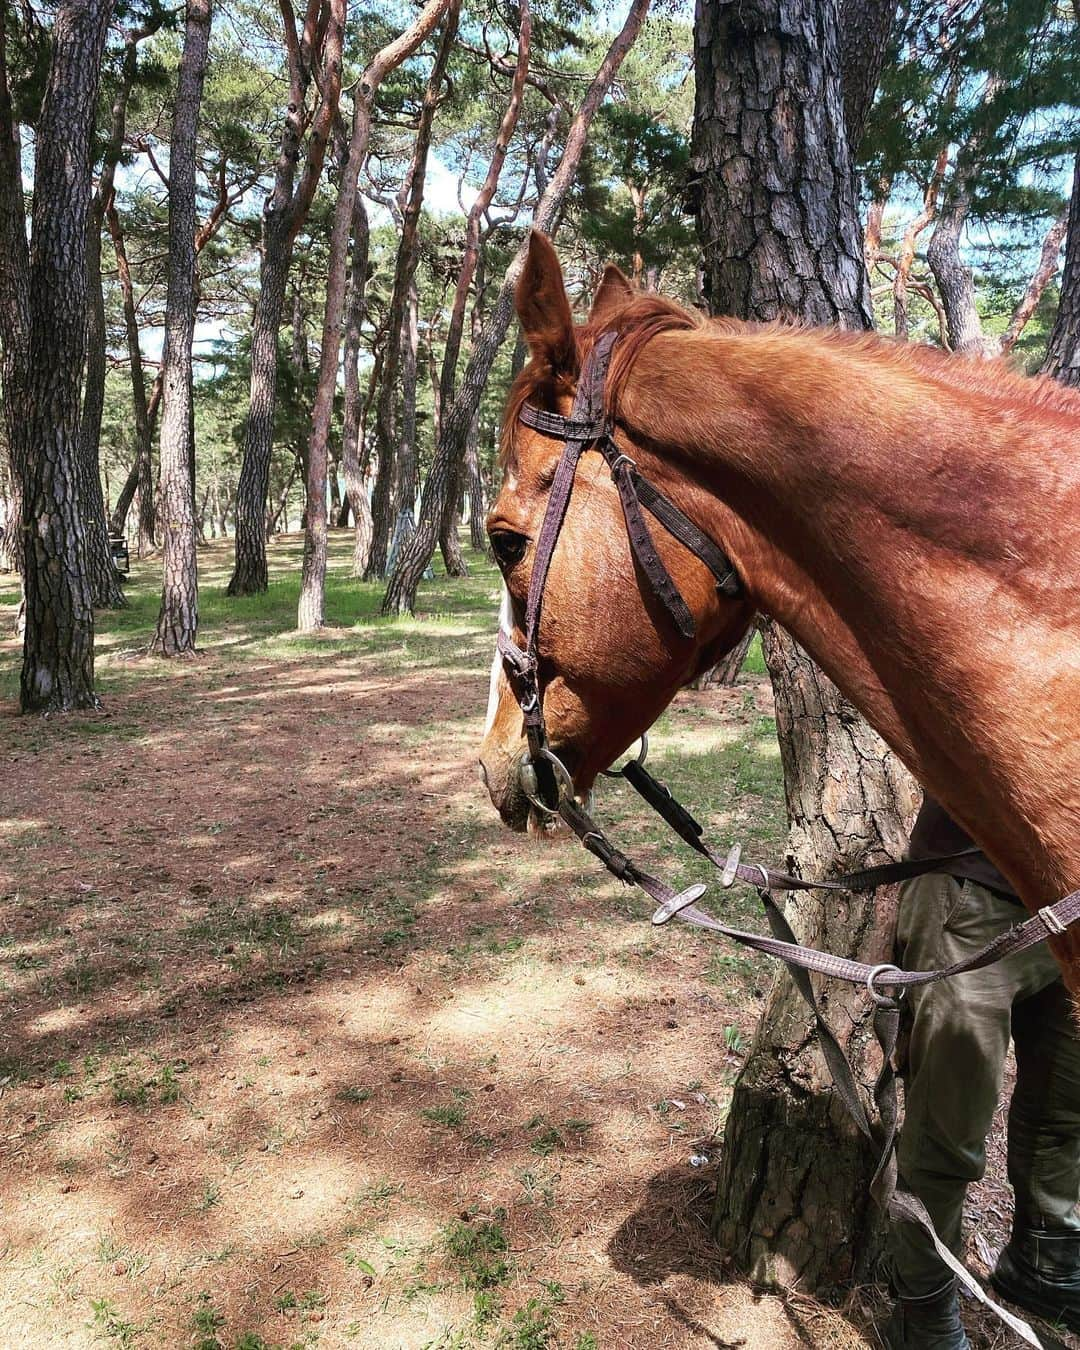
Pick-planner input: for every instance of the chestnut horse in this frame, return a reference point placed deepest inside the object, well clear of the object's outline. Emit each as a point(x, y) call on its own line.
point(911, 518)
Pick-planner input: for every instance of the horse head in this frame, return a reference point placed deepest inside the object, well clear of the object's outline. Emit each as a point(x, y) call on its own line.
point(610, 659)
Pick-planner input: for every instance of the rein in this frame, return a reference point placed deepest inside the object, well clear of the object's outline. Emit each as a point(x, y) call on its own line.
point(549, 787)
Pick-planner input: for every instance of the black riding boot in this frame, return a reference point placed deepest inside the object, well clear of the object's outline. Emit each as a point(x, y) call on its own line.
point(1040, 1271)
point(928, 1323)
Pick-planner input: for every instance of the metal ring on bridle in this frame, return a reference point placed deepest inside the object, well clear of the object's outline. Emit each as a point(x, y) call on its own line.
point(883, 1000)
point(563, 782)
point(622, 459)
point(642, 755)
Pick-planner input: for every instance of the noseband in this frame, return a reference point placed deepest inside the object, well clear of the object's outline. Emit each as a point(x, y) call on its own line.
point(589, 426)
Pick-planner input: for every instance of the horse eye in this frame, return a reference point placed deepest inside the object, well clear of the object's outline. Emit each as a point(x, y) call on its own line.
point(508, 547)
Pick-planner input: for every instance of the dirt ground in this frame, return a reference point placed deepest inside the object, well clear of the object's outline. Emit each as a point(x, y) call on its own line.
point(298, 1047)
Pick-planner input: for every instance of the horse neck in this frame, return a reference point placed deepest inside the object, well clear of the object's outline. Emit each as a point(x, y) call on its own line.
point(909, 536)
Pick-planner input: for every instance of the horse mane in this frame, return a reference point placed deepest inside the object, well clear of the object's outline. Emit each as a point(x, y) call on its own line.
point(644, 317)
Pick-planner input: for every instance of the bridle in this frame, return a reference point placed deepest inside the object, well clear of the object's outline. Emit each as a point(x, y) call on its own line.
point(545, 778)
point(549, 786)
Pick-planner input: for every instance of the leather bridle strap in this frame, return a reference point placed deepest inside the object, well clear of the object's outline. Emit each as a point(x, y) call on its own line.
point(589, 426)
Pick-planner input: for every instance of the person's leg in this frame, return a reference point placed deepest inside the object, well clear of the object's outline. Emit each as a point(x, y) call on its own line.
point(1040, 1268)
point(959, 1037)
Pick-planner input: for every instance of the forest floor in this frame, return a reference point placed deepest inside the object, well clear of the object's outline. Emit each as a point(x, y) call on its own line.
point(299, 1047)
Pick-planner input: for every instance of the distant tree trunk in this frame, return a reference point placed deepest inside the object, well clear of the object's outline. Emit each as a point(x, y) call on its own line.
point(780, 234)
point(725, 673)
point(477, 507)
point(400, 596)
point(285, 210)
point(1063, 352)
point(1040, 279)
point(408, 458)
point(350, 434)
point(385, 502)
point(955, 283)
point(864, 32)
point(43, 318)
point(102, 577)
point(449, 541)
point(142, 470)
point(178, 620)
point(310, 612)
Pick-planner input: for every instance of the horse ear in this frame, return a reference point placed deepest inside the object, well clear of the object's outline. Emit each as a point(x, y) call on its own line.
point(614, 291)
point(543, 307)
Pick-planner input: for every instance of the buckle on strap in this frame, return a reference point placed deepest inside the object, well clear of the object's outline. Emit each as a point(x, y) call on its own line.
point(1051, 922)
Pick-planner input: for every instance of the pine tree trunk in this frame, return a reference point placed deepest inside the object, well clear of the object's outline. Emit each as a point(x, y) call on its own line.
point(408, 459)
point(1063, 352)
point(249, 573)
point(178, 620)
point(312, 582)
point(725, 673)
point(142, 470)
point(780, 234)
point(954, 280)
point(58, 645)
point(477, 507)
point(284, 213)
point(351, 430)
point(400, 596)
point(102, 577)
point(449, 542)
point(386, 502)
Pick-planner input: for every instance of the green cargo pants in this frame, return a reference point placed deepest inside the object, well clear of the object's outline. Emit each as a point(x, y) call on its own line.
point(959, 1037)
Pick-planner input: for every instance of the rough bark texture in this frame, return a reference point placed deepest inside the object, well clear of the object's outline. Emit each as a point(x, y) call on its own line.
point(351, 430)
point(955, 283)
point(408, 459)
point(105, 586)
point(1040, 279)
point(780, 235)
point(775, 191)
point(142, 470)
point(178, 620)
point(864, 31)
point(477, 505)
point(284, 213)
point(44, 359)
point(1063, 352)
point(310, 611)
point(392, 494)
point(400, 594)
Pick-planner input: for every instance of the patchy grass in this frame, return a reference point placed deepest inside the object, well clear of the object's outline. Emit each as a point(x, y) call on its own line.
point(298, 1047)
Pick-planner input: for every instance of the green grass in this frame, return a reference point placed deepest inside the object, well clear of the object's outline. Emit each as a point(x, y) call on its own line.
point(478, 1248)
point(258, 627)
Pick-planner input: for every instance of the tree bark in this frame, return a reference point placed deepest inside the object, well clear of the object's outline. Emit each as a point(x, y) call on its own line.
point(779, 230)
point(408, 459)
point(310, 613)
point(178, 620)
point(351, 430)
point(1063, 351)
point(400, 596)
point(142, 470)
point(864, 32)
point(284, 213)
point(1040, 279)
point(387, 502)
point(955, 283)
point(42, 377)
point(477, 506)
point(105, 582)
point(725, 673)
